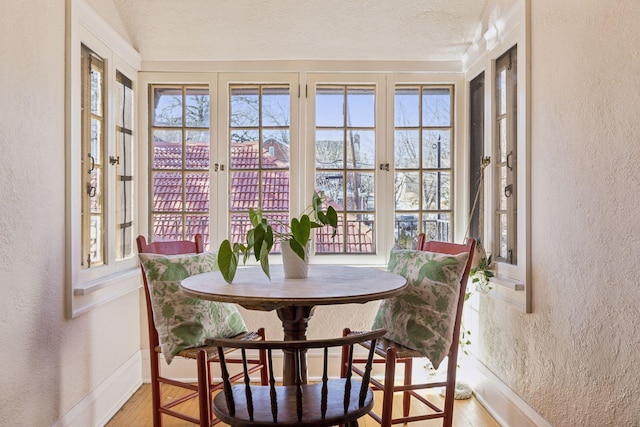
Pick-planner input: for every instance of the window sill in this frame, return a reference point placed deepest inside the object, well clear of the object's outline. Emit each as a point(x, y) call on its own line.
point(510, 291)
point(97, 292)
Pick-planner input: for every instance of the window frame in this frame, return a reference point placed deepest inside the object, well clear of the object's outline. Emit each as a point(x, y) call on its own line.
point(378, 80)
point(218, 77)
point(512, 283)
point(90, 287)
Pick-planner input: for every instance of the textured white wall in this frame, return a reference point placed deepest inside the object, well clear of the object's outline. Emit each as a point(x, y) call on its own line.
point(49, 363)
point(575, 359)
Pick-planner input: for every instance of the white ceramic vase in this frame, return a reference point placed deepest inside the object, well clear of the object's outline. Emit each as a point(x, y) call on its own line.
point(294, 266)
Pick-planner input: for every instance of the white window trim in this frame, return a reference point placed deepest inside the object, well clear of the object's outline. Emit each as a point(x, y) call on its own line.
point(512, 283)
point(92, 287)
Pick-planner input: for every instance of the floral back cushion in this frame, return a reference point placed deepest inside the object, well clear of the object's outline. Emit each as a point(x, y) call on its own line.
point(423, 316)
point(181, 321)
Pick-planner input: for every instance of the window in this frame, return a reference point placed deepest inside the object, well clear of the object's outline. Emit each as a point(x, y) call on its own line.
point(271, 145)
point(101, 174)
point(92, 159)
point(423, 138)
point(179, 161)
point(506, 158)
point(259, 143)
point(345, 153)
point(124, 167)
point(499, 114)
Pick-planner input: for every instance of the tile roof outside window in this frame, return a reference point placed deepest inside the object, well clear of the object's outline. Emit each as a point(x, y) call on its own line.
point(244, 192)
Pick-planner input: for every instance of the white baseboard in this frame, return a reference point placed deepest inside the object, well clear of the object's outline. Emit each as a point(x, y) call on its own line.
point(508, 409)
point(101, 404)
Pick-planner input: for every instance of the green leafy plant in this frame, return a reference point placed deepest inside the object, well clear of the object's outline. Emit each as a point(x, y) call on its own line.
point(482, 274)
point(262, 235)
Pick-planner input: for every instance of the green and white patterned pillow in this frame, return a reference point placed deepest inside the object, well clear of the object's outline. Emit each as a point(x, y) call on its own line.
point(183, 322)
point(423, 316)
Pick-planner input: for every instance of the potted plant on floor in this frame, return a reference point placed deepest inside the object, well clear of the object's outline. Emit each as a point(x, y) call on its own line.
point(294, 235)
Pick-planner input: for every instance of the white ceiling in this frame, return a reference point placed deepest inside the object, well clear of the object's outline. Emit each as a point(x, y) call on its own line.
point(210, 30)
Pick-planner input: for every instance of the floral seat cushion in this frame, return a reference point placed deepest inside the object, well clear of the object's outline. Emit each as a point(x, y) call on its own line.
point(183, 322)
point(423, 316)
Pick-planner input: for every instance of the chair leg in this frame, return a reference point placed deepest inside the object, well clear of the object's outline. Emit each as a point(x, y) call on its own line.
point(204, 389)
point(389, 384)
point(155, 388)
point(406, 396)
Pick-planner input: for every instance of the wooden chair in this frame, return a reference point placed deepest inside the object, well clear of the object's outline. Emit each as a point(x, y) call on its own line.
point(326, 403)
point(204, 356)
point(392, 354)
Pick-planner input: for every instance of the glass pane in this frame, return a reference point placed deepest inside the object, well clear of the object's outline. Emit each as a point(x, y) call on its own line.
point(407, 107)
point(197, 192)
point(325, 243)
point(503, 184)
point(406, 149)
point(167, 149)
point(244, 191)
point(244, 155)
point(96, 91)
point(436, 226)
point(503, 236)
point(95, 193)
point(119, 104)
point(406, 230)
point(436, 190)
point(332, 185)
point(96, 140)
point(329, 106)
point(436, 107)
point(275, 191)
point(197, 107)
point(275, 148)
point(125, 202)
point(244, 107)
point(360, 191)
point(361, 107)
point(124, 242)
point(360, 234)
point(197, 146)
point(197, 224)
point(244, 135)
point(128, 109)
point(276, 106)
point(436, 149)
point(240, 224)
point(124, 143)
point(167, 191)
point(361, 149)
point(501, 89)
point(168, 107)
point(97, 241)
point(407, 190)
point(168, 227)
point(329, 149)
point(502, 135)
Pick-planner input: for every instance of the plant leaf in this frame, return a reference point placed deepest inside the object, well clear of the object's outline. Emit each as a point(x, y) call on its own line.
point(264, 259)
point(297, 248)
point(301, 230)
point(227, 261)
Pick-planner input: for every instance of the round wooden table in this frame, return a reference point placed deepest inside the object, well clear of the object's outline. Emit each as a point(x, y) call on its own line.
point(295, 299)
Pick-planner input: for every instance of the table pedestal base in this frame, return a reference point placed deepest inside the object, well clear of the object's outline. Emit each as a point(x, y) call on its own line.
point(295, 320)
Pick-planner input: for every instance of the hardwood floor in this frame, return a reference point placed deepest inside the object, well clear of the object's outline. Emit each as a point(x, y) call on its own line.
point(137, 412)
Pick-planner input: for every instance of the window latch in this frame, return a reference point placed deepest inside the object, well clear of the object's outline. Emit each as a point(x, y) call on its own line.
point(508, 190)
point(384, 167)
point(114, 160)
point(218, 167)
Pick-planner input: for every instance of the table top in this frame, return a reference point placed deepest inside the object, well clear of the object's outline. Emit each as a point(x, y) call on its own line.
point(325, 285)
